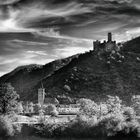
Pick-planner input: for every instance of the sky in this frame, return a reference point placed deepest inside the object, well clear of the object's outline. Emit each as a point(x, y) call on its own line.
point(40, 31)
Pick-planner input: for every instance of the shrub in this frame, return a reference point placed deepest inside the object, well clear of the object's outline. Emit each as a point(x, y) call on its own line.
point(19, 109)
point(132, 128)
point(110, 125)
point(54, 113)
point(136, 104)
point(51, 110)
point(6, 127)
point(129, 113)
point(114, 104)
point(37, 107)
point(88, 107)
point(120, 123)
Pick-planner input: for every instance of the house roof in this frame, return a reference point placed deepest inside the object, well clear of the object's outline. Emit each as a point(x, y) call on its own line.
point(50, 100)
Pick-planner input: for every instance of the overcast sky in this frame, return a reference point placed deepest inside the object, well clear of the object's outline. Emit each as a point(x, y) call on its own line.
point(40, 31)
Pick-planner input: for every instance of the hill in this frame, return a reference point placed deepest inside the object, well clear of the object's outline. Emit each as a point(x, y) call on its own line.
point(132, 45)
point(85, 75)
point(94, 77)
point(24, 78)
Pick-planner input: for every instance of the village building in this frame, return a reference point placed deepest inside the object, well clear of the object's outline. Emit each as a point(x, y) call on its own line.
point(63, 109)
point(43, 99)
point(50, 100)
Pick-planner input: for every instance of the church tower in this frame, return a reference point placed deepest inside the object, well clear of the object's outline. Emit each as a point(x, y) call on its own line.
point(41, 96)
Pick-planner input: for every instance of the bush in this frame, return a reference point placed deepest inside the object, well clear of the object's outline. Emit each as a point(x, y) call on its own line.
point(37, 107)
point(136, 104)
point(54, 113)
point(7, 128)
point(129, 113)
point(88, 107)
point(116, 124)
point(132, 128)
point(114, 104)
point(110, 125)
point(51, 110)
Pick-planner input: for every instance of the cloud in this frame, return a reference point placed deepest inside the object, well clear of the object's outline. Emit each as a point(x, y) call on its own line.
point(49, 32)
point(6, 2)
point(33, 15)
point(69, 51)
point(15, 52)
point(38, 13)
point(37, 52)
point(120, 1)
point(25, 17)
point(134, 32)
point(71, 18)
point(3, 61)
point(9, 22)
point(27, 42)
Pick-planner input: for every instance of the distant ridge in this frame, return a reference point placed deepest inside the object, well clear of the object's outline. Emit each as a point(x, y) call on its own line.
point(25, 77)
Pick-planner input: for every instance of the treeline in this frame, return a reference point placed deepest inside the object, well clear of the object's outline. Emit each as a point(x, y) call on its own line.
point(104, 119)
point(108, 119)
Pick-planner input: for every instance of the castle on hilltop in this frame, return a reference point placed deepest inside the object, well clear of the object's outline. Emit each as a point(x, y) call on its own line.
point(105, 46)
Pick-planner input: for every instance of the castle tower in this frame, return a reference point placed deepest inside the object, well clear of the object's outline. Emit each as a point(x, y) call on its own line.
point(109, 37)
point(41, 96)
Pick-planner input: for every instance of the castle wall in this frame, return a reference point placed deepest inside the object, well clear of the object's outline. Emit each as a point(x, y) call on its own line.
point(110, 46)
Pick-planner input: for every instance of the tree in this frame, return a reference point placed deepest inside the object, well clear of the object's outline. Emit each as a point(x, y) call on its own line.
point(31, 107)
point(51, 110)
point(129, 113)
point(20, 108)
point(8, 98)
point(114, 104)
point(88, 107)
point(136, 104)
point(6, 127)
point(37, 107)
